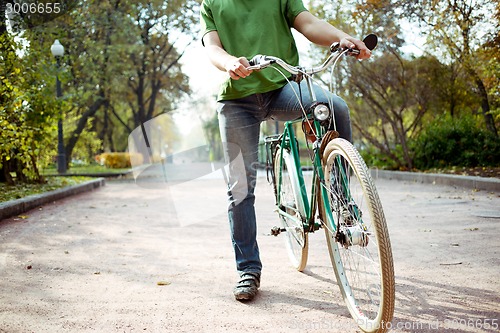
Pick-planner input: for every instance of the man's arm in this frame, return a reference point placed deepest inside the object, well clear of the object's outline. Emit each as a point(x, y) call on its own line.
point(235, 67)
point(322, 33)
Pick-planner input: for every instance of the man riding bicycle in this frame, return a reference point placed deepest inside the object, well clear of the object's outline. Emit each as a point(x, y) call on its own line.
point(234, 31)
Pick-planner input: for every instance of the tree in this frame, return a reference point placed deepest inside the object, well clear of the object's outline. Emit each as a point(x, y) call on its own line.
point(109, 50)
point(390, 98)
point(456, 30)
point(489, 60)
point(156, 76)
point(377, 93)
point(26, 115)
point(393, 94)
point(122, 65)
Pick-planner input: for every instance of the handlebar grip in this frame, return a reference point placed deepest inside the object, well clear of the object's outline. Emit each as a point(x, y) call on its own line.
point(259, 62)
point(256, 60)
point(335, 47)
point(371, 41)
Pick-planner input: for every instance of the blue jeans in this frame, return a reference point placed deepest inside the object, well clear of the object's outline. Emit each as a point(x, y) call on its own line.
point(239, 122)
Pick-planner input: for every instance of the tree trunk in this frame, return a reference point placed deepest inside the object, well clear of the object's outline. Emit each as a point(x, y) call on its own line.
point(82, 123)
point(485, 105)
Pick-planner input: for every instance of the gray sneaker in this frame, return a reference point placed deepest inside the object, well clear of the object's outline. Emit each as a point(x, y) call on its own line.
point(247, 286)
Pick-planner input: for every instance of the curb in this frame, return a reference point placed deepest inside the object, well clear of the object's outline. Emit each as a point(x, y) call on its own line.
point(99, 175)
point(19, 206)
point(473, 182)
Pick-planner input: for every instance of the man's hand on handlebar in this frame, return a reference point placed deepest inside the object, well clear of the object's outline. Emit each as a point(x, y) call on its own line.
point(348, 45)
point(237, 68)
point(353, 43)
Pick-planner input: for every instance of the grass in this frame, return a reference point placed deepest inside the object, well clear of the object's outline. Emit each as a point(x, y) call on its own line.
point(12, 192)
point(90, 169)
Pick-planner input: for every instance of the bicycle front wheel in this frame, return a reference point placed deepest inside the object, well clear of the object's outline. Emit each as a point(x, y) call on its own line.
point(291, 208)
point(359, 246)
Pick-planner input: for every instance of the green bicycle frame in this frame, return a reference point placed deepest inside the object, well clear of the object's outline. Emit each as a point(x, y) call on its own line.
point(289, 141)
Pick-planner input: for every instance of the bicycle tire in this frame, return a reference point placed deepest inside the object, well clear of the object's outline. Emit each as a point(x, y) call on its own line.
point(290, 199)
point(361, 255)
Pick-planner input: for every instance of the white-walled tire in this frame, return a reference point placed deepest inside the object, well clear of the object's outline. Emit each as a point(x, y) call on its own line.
point(361, 254)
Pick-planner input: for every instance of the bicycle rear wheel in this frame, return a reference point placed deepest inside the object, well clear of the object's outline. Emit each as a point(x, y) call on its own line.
point(360, 249)
point(292, 206)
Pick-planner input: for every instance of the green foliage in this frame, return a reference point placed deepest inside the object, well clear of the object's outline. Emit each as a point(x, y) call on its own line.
point(389, 97)
point(393, 95)
point(457, 31)
point(120, 69)
point(26, 114)
point(456, 142)
point(375, 158)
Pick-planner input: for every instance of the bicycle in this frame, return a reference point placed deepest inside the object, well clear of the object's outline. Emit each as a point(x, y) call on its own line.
point(342, 200)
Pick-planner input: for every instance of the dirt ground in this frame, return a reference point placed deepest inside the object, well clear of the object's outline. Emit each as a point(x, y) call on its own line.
point(125, 258)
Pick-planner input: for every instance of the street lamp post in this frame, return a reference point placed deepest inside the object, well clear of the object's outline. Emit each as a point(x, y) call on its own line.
point(58, 51)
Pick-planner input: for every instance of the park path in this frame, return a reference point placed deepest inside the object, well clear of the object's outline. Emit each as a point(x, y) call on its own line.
point(152, 258)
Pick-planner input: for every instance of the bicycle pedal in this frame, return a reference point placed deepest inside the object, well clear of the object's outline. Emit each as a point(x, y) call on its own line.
point(275, 231)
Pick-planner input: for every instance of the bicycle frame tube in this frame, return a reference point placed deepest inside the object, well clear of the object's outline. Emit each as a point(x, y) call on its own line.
point(310, 202)
point(322, 190)
point(289, 140)
point(289, 133)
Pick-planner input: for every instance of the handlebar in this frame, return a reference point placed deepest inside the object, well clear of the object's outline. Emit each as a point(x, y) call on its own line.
point(262, 61)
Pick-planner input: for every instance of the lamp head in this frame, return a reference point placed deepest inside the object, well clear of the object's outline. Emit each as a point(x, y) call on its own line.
point(57, 49)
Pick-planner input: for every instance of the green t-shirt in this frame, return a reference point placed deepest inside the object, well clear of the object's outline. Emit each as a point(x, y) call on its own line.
point(250, 27)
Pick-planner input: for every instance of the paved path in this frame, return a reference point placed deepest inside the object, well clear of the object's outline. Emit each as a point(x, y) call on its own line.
point(93, 262)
